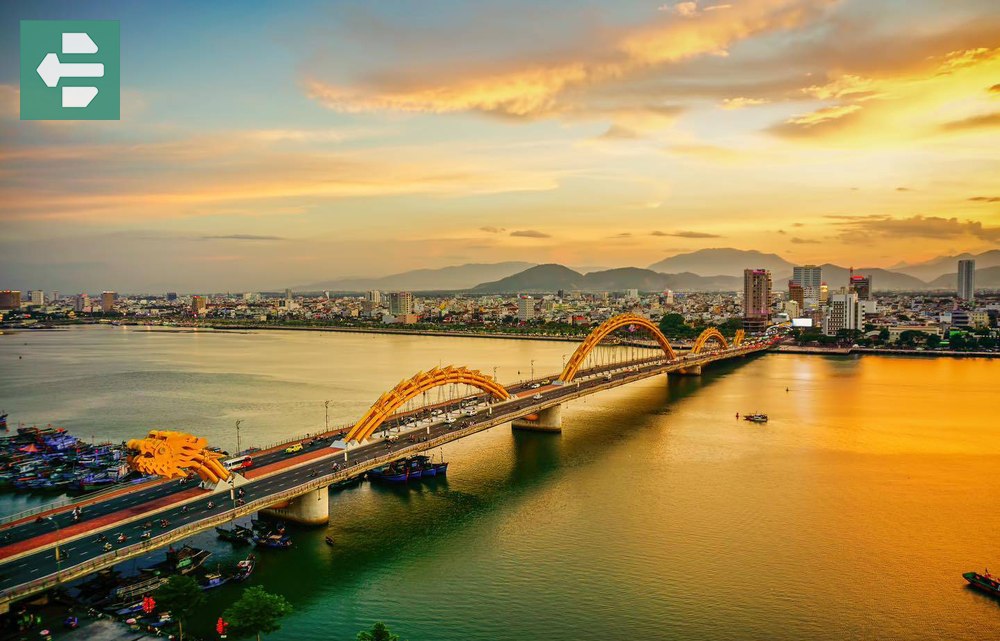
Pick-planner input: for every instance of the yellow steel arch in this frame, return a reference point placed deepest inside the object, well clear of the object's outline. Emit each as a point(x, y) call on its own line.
point(738, 339)
point(710, 334)
point(392, 400)
point(605, 328)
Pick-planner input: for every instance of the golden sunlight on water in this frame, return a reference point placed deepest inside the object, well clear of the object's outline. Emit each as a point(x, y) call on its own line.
point(655, 514)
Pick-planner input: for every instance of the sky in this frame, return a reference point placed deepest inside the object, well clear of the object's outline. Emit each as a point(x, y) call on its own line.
point(266, 145)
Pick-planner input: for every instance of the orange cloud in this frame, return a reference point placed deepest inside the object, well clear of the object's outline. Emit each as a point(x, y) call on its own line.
point(944, 95)
point(538, 89)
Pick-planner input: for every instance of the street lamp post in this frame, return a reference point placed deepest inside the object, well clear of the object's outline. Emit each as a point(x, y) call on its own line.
point(326, 406)
point(238, 450)
point(532, 369)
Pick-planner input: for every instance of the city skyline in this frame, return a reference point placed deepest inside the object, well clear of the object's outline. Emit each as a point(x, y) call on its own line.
point(363, 141)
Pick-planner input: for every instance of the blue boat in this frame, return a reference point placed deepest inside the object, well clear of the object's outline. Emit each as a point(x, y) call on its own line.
point(213, 580)
point(423, 463)
point(388, 474)
point(275, 541)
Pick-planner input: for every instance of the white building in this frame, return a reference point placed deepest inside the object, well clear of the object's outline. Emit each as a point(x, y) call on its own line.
point(525, 308)
point(843, 312)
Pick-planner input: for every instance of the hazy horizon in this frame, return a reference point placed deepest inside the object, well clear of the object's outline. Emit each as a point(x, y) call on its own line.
point(315, 141)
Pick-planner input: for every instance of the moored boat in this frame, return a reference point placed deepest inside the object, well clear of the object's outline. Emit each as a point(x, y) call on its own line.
point(985, 582)
point(183, 561)
point(756, 417)
point(238, 534)
point(245, 568)
point(213, 580)
point(388, 474)
point(275, 541)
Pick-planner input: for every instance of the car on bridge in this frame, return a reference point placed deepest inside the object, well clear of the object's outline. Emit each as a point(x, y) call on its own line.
point(291, 449)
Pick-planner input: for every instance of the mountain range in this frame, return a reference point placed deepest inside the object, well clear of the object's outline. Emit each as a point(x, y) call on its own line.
point(718, 269)
point(447, 278)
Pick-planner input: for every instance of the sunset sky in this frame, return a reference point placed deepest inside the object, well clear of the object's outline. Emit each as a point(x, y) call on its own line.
point(265, 145)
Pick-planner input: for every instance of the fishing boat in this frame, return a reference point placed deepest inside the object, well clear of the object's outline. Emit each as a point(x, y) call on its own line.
point(245, 568)
point(183, 561)
point(985, 582)
point(275, 541)
point(238, 534)
point(389, 474)
point(213, 580)
point(756, 417)
point(427, 469)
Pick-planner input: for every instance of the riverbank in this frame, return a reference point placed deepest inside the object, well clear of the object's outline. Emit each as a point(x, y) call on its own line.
point(885, 351)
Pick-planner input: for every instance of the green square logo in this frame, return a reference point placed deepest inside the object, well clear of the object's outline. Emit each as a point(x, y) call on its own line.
point(70, 70)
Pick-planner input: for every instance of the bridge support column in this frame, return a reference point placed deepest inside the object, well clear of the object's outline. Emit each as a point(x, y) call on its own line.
point(312, 508)
point(547, 420)
point(690, 371)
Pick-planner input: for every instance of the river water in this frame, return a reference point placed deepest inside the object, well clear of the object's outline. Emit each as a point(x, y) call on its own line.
point(654, 515)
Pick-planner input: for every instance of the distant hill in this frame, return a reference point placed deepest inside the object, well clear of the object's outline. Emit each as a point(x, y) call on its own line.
point(446, 278)
point(722, 261)
point(540, 278)
point(988, 278)
point(932, 269)
point(836, 276)
point(550, 278)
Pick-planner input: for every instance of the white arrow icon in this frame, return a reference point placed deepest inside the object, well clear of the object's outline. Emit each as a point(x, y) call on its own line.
point(52, 70)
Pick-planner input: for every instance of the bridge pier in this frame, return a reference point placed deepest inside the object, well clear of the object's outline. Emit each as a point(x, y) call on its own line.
point(312, 508)
point(694, 370)
point(547, 420)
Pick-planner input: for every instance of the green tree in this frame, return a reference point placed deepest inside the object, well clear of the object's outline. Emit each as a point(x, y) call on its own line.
point(379, 633)
point(256, 611)
point(181, 597)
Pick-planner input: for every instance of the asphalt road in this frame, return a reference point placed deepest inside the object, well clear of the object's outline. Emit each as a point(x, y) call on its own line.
point(39, 564)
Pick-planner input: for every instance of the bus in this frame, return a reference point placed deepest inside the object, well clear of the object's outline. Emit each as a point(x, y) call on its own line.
point(238, 463)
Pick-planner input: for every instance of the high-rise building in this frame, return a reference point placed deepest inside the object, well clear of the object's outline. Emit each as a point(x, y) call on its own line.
point(809, 277)
point(843, 312)
point(400, 303)
point(967, 279)
point(81, 302)
point(108, 301)
point(37, 297)
point(198, 305)
point(756, 299)
point(824, 293)
point(525, 308)
point(862, 286)
point(171, 296)
point(796, 293)
point(632, 294)
point(374, 297)
point(55, 296)
point(10, 299)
